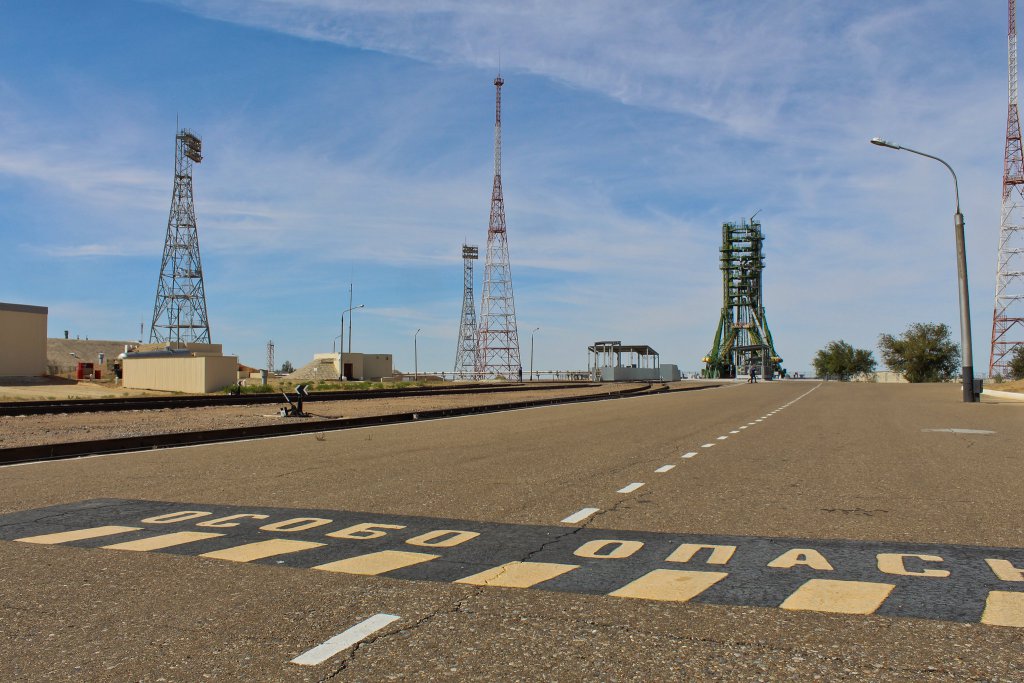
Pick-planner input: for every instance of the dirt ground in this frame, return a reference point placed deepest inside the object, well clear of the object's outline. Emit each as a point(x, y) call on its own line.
point(51, 389)
point(30, 430)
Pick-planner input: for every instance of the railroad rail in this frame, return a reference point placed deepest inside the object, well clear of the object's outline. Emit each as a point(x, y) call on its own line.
point(98, 405)
point(78, 449)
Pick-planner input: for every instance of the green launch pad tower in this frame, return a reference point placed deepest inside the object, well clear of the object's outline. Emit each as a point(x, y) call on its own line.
point(743, 339)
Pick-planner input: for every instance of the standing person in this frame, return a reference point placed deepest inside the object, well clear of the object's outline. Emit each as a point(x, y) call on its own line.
point(753, 375)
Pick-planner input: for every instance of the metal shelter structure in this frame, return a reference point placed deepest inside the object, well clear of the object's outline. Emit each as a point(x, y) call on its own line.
point(1008, 314)
point(608, 354)
point(466, 352)
point(179, 313)
point(498, 334)
point(743, 339)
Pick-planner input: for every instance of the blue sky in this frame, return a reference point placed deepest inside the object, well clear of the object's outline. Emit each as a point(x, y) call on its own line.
point(352, 141)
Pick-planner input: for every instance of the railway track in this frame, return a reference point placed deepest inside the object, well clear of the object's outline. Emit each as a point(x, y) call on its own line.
point(78, 449)
point(98, 405)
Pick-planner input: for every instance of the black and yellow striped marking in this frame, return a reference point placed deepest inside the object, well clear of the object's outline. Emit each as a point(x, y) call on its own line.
point(947, 582)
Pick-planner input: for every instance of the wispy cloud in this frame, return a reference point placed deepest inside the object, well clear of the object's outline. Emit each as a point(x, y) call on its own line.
point(652, 125)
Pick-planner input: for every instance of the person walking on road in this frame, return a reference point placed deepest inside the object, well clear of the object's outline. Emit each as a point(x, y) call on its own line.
point(753, 375)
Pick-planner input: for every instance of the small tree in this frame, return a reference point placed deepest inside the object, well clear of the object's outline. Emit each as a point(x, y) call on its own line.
point(286, 367)
point(841, 360)
point(923, 353)
point(1017, 362)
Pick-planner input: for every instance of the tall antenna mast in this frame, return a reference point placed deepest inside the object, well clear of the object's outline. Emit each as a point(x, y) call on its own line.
point(1008, 315)
point(179, 313)
point(270, 355)
point(465, 354)
point(498, 346)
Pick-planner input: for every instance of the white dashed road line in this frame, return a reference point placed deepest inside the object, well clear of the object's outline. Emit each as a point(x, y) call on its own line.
point(706, 445)
point(664, 468)
point(580, 516)
point(344, 640)
point(629, 488)
point(690, 454)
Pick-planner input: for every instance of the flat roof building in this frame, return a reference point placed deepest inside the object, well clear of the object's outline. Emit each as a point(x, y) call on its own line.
point(22, 340)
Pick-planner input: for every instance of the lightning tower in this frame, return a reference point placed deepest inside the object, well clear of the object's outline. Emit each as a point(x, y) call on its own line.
point(743, 339)
point(179, 314)
point(1008, 316)
point(498, 337)
point(270, 355)
point(465, 354)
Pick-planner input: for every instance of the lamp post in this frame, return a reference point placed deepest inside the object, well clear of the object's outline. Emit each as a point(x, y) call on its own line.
point(967, 353)
point(531, 352)
point(341, 346)
point(415, 356)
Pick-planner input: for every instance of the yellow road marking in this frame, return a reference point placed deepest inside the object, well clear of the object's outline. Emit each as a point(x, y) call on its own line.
point(839, 597)
point(518, 574)
point(1004, 608)
point(163, 541)
point(80, 535)
point(673, 585)
point(376, 563)
point(261, 549)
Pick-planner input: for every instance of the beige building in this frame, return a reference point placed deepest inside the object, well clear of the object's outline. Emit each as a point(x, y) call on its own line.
point(881, 377)
point(368, 367)
point(192, 368)
point(22, 340)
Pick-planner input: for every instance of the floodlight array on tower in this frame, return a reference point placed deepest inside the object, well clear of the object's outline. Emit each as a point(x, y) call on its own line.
point(465, 353)
point(179, 312)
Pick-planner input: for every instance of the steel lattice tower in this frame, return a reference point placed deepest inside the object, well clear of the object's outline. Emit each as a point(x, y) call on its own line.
point(270, 355)
point(465, 354)
point(1008, 316)
point(179, 314)
point(498, 338)
point(743, 338)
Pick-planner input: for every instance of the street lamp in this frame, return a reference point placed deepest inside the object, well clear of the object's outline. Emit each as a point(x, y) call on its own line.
point(967, 353)
point(415, 356)
point(341, 346)
point(531, 352)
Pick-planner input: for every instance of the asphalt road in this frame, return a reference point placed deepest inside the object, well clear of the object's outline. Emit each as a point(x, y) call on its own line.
point(836, 531)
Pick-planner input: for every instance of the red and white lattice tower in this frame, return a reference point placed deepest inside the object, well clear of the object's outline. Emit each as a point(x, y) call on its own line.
point(498, 347)
point(1008, 317)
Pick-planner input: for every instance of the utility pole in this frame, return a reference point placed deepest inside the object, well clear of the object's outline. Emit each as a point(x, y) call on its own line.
point(416, 356)
point(531, 351)
point(350, 318)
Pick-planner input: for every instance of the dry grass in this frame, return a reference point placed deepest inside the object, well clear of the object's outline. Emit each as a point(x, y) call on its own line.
point(1006, 386)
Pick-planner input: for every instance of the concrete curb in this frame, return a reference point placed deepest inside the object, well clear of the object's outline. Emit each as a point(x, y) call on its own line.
point(1002, 394)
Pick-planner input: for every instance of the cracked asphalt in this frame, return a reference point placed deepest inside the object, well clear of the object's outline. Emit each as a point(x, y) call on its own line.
point(842, 463)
